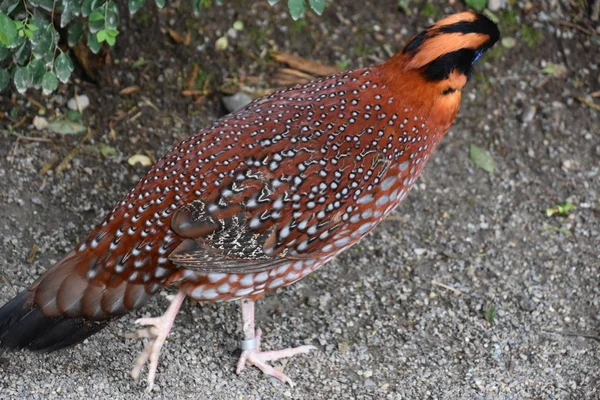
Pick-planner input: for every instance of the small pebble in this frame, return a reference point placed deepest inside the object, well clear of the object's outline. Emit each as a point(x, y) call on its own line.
point(83, 101)
point(526, 304)
point(235, 102)
point(40, 123)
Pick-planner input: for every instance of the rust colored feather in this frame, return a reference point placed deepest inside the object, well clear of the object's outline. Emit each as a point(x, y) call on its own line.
point(266, 195)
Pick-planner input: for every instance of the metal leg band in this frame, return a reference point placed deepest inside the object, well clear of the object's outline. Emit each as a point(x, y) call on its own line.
point(248, 344)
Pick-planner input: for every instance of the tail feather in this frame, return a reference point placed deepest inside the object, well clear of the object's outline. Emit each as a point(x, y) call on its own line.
point(23, 325)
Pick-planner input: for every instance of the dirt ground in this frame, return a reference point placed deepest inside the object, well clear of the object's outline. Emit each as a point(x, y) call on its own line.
point(469, 291)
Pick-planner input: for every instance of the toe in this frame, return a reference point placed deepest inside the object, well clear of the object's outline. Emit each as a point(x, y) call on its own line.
point(242, 362)
point(269, 370)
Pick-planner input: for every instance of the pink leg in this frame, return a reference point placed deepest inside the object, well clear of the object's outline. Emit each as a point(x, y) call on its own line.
point(251, 353)
point(158, 330)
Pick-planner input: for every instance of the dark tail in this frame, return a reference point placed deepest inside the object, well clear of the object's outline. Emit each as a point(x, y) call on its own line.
point(23, 325)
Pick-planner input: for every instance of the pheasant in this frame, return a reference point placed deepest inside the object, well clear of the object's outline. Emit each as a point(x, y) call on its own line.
point(258, 200)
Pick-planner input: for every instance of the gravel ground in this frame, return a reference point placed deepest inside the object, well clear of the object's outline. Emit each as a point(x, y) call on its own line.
point(406, 313)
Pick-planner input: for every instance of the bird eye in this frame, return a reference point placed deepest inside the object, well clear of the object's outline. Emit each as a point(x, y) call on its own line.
point(448, 91)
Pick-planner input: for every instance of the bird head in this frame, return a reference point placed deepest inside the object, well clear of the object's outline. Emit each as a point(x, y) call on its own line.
point(451, 46)
point(437, 63)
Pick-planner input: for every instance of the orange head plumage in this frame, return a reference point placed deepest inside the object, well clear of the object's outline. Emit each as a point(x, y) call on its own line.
point(435, 65)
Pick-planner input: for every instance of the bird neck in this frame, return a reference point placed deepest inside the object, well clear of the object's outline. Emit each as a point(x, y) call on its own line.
point(424, 97)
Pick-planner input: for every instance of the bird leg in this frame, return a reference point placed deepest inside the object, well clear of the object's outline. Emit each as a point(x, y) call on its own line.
point(251, 353)
point(157, 330)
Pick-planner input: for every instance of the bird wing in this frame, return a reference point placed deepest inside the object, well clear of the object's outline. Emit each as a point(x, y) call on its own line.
point(263, 224)
point(280, 206)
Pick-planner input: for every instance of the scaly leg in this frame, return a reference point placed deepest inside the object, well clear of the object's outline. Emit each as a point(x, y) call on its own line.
point(251, 353)
point(158, 330)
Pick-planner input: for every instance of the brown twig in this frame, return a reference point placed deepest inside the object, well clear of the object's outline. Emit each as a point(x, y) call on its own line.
point(576, 26)
point(150, 104)
point(193, 75)
point(456, 291)
point(192, 92)
point(125, 115)
point(32, 252)
point(302, 64)
point(71, 154)
point(588, 103)
point(179, 38)
point(31, 138)
point(36, 103)
point(129, 90)
point(21, 122)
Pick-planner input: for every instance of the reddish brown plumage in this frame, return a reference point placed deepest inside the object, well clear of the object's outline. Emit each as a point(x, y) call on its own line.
point(266, 195)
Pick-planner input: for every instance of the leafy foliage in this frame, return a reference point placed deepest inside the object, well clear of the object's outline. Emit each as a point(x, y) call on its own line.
point(482, 159)
point(29, 52)
point(477, 5)
point(560, 209)
point(298, 7)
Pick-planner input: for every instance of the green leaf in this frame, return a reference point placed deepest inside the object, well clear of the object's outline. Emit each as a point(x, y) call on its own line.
point(101, 36)
point(32, 27)
point(47, 5)
point(44, 41)
point(110, 40)
point(63, 66)
point(86, 8)
point(160, 3)
point(73, 115)
point(97, 24)
point(317, 5)
point(93, 43)
point(8, 31)
point(556, 70)
point(107, 151)
point(4, 79)
point(297, 8)
point(37, 69)
point(135, 5)
point(75, 33)
point(67, 13)
point(21, 56)
point(22, 79)
point(8, 6)
point(493, 17)
point(490, 314)
point(477, 5)
point(482, 159)
point(49, 83)
point(112, 16)
point(97, 15)
point(238, 25)
point(65, 127)
point(3, 53)
point(140, 62)
point(561, 209)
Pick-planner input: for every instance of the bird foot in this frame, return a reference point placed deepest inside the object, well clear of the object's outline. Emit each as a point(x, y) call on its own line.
point(157, 330)
point(259, 359)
